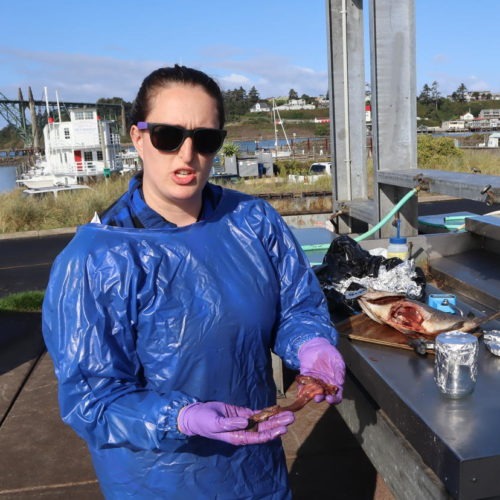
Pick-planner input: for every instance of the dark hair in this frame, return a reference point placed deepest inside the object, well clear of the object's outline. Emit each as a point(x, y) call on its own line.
point(162, 77)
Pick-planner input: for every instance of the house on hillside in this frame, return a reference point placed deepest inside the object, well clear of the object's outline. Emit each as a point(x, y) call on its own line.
point(453, 125)
point(295, 104)
point(260, 107)
point(322, 102)
point(467, 117)
point(489, 113)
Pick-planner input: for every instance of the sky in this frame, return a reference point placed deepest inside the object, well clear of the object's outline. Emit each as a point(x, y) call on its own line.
point(88, 49)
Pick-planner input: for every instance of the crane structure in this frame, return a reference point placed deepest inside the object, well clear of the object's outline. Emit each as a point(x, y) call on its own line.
point(29, 116)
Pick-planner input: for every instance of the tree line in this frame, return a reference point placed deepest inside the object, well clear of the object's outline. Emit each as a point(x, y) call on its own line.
point(237, 102)
point(434, 109)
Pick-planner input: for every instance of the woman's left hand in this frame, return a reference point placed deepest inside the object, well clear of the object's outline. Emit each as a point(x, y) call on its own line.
point(225, 422)
point(320, 359)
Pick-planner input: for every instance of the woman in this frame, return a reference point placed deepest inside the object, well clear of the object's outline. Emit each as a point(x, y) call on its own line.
point(161, 317)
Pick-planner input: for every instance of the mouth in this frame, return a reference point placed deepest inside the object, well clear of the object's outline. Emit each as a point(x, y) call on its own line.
point(184, 176)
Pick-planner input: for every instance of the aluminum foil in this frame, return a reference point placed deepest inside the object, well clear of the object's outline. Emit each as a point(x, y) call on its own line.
point(491, 340)
point(396, 280)
point(455, 365)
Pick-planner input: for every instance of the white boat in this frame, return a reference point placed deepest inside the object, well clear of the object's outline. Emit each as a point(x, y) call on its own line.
point(130, 161)
point(39, 191)
point(40, 176)
point(82, 147)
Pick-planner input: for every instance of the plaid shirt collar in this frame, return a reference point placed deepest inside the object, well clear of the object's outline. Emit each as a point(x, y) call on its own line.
point(146, 217)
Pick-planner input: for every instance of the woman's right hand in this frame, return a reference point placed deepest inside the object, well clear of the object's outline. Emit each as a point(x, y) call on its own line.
point(224, 422)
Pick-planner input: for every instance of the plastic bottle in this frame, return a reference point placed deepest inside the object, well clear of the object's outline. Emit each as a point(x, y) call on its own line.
point(398, 247)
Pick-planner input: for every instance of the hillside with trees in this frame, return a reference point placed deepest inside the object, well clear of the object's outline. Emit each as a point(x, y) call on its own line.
point(432, 110)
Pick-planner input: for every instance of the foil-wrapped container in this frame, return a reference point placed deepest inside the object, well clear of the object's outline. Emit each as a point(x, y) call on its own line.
point(492, 341)
point(455, 367)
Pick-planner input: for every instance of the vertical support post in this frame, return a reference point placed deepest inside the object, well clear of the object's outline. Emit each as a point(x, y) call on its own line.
point(347, 98)
point(22, 117)
point(34, 121)
point(122, 119)
point(393, 86)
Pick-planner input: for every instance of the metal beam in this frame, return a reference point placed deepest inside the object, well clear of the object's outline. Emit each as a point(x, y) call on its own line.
point(393, 86)
point(13, 112)
point(393, 103)
point(347, 98)
point(478, 187)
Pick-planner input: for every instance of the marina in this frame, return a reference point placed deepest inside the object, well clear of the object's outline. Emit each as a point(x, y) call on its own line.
point(396, 434)
point(82, 147)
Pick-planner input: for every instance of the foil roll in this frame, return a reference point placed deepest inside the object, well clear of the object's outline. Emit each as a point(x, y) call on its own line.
point(455, 366)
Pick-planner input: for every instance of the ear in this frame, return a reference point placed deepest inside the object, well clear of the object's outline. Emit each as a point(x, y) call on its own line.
point(137, 139)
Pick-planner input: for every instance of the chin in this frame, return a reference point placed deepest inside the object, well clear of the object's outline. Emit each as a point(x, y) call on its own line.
point(185, 192)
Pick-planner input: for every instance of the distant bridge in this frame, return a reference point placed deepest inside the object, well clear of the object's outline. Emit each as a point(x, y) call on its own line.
point(14, 112)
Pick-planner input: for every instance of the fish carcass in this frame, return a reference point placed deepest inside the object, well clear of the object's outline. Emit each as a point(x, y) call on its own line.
point(412, 317)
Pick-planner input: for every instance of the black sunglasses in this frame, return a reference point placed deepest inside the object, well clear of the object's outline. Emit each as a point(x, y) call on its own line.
point(170, 138)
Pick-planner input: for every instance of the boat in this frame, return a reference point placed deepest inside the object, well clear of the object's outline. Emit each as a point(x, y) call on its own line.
point(40, 176)
point(40, 191)
point(130, 161)
point(84, 146)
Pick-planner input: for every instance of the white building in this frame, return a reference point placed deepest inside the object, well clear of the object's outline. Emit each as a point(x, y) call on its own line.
point(260, 107)
point(295, 104)
point(489, 113)
point(467, 117)
point(85, 145)
point(453, 125)
point(494, 140)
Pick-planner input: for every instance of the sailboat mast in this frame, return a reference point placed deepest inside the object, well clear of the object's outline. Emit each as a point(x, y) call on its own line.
point(47, 103)
point(276, 113)
point(275, 128)
point(58, 106)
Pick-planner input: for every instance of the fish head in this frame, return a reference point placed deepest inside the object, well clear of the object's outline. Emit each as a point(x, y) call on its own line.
point(377, 305)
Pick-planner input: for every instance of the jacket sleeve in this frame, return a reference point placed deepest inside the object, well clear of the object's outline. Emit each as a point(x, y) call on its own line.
point(89, 325)
point(303, 313)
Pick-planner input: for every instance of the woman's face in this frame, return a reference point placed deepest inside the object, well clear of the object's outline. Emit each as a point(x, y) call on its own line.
point(173, 181)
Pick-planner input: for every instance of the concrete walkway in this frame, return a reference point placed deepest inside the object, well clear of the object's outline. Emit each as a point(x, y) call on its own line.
point(44, 459)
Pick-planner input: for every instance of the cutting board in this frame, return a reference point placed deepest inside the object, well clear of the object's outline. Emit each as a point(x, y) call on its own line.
point(361, 327)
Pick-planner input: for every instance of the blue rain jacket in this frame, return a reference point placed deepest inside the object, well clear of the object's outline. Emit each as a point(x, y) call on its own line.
point(141, 322)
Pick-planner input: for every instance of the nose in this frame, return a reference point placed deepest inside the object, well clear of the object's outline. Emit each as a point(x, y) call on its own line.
point(186, 151)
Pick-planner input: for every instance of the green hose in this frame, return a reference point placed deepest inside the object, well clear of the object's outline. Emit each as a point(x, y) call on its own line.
point(361, 237)
point(388, 217)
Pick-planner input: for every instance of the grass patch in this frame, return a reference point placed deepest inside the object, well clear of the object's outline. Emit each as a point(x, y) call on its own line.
point(23, 301)
point(70, 209)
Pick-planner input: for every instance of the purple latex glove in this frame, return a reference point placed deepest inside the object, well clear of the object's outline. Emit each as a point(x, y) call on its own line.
point(320, 359)
point(216, 420)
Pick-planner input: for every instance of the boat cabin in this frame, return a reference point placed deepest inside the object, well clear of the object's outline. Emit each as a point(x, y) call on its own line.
point(83, 146)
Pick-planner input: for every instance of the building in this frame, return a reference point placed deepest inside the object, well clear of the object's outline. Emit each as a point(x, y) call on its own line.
point(453, 125)
point(467, 117)
point(478, 95)
point(494, 140)
point(489, 113)
point(482, 124)
point(295, 104)
point(260, 107)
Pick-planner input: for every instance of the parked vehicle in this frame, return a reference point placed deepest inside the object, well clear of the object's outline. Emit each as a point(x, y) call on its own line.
point(321, 168)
